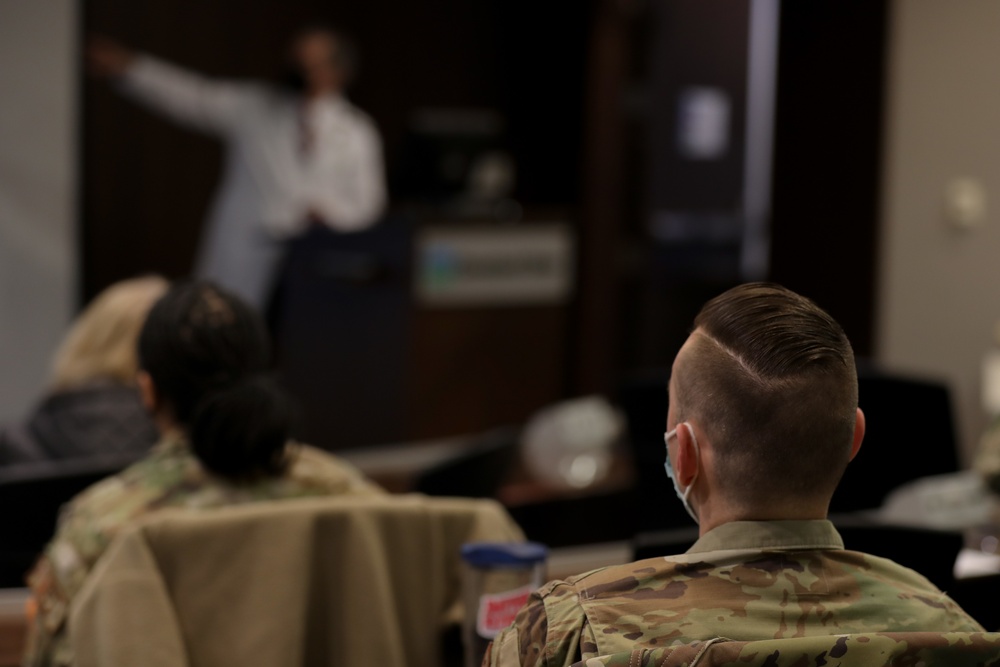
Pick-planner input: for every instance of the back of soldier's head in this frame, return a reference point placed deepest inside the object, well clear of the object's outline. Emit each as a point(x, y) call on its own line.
point(771, 378)
point(207, 354)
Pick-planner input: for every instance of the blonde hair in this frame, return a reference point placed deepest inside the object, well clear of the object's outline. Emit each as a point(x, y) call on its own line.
point(101, 343)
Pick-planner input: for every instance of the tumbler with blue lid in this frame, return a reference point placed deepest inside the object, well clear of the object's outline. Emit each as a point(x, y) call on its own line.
point(497, 580)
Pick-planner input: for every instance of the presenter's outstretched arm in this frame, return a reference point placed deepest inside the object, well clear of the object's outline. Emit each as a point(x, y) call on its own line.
point(185, 97)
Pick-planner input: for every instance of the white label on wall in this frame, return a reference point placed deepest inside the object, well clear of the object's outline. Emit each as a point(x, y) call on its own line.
point(703, 123)
point(529, 264)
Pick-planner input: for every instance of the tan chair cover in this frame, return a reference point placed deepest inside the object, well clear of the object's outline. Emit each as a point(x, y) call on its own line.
point(342, 581)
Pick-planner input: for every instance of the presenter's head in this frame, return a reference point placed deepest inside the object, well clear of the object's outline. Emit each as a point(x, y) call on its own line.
point(321, 61)
point(204, 359)
point(763, 413)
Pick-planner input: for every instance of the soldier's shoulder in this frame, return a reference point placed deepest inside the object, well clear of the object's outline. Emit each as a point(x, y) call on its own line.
point(888, 572)
point(619, 579)
point(140, 483)
point(326, 473)
point(602, 583)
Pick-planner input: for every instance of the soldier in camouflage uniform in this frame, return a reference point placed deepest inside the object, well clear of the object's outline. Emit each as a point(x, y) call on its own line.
point(171, 476)
point(225, 429)
point(922, 649)
point(762, 421)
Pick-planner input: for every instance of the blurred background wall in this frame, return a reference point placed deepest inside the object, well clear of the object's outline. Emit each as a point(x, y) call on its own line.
point(38, 216)
point(939, 290)
point(860, 219)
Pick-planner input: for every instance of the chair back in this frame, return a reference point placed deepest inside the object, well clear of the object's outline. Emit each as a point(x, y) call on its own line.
point(930, 649)
point(283, 584)
point(904, 417)
point(32, 495)
point(475, 472)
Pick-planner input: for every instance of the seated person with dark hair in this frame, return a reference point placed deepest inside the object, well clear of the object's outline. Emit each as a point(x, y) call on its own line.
point(203, 358)
point(762, 421)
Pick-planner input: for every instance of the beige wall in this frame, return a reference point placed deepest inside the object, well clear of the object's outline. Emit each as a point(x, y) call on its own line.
point(939, 285)
point(37, 185)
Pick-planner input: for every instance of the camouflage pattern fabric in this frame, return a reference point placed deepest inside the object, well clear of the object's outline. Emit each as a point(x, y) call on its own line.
point(170, 476)
point(745, 580)
point(927, 649)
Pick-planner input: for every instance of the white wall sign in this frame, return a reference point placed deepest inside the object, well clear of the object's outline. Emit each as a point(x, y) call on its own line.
point(703, 123)
point(489, 265)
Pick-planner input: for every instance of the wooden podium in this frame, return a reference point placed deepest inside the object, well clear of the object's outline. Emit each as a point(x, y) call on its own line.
point(410, 331)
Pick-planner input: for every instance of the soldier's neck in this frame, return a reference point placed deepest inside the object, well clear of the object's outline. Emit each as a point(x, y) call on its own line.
point(712, 516)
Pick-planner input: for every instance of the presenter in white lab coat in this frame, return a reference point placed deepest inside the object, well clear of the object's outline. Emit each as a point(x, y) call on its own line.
point(298, 154)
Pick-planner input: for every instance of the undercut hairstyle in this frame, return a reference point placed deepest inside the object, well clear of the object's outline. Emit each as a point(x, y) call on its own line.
point(208, 355)
point(772, 379)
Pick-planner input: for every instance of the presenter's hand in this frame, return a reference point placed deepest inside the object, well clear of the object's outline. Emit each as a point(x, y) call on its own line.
point(107, 58)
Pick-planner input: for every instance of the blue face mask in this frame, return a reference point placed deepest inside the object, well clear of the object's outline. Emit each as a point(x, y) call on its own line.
point(670, 470)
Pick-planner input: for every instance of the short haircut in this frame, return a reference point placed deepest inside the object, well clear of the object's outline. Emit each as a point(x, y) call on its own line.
point(772, 380)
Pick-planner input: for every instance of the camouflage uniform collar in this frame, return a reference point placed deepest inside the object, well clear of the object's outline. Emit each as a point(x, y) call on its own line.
point(172, 442)
point(770, 536)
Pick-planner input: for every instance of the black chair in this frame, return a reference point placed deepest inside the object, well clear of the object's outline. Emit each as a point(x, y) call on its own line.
point(588, 518)
point(31, 497)
point(907, 420)
point(978, 597)
point(643, 400)
point(477, 471)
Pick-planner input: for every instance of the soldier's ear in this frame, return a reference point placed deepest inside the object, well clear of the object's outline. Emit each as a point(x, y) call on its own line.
point(859, 434)
point(147, 392)
point(688, 454)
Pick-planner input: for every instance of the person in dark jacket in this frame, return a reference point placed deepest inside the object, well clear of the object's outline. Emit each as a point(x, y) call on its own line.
point(92, 408)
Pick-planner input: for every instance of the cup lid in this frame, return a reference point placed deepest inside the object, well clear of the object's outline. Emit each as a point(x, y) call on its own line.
point(486, 554)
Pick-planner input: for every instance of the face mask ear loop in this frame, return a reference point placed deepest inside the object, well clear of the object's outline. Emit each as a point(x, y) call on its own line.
point(670, 471)
point(687, 491)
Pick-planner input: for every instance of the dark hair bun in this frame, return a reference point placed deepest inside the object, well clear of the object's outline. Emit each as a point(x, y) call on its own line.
point(207, 353)
point(241, 430)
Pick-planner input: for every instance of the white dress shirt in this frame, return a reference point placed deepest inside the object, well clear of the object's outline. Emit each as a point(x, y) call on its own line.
point(273, 183)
